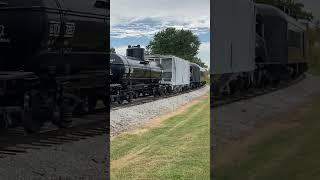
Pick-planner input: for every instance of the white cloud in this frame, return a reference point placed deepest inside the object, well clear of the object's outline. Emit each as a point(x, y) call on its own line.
point(121, 50)
point(145, 17)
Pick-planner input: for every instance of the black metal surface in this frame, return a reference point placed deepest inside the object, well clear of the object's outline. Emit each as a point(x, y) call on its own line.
point(195, 73)
point(43, 35)
point(129, 69)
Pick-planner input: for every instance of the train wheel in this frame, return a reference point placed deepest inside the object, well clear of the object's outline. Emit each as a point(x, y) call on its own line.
point(130, 97)
point(66, 112)
point(136, 94)
point(119, 100)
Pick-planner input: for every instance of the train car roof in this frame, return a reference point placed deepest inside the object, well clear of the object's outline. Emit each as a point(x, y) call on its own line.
point(269, 10)
point(154, 56)
point(194, 64)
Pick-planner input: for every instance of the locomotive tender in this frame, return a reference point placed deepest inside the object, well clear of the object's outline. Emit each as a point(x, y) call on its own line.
point(132, 76)
point(254, 45)
point(138, 75)
point(52, 60)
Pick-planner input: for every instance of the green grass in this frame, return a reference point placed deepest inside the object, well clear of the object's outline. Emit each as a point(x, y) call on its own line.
point(178, 148)
point(291, 154)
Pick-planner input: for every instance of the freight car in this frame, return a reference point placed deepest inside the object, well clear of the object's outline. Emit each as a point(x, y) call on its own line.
point(267, 47)
point(233, 46)
point(52, 60)
point(195, 75)
point(135, 75)
point(176, 73)
point(203, 76)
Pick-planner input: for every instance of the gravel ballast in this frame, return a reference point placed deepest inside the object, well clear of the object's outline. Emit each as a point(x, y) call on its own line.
point(88, 158)
point(84, 159)
point(239, 119)
point(133, 117)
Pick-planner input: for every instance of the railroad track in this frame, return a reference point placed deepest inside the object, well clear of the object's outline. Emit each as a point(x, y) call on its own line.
point(253, 93)
point(146, 99)
point(215, 103)
point(15, 140)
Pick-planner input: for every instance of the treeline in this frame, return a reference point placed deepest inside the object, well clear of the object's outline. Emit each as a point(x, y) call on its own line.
point(171, 41)
point(295, 9)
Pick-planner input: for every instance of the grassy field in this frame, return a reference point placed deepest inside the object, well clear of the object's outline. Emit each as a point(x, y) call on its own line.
point(292, 153)
point(175, 148)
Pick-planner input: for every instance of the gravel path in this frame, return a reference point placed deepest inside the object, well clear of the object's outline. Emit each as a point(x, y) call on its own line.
point(85, 159)
point(132, 117)
point(240, 118)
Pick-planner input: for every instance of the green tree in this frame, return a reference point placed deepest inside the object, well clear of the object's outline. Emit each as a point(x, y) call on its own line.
point(181, 43)
point(296, 8)
point(199, 62)
point(112, 50)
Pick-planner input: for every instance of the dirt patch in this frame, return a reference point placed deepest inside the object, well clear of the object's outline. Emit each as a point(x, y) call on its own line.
point(155, 122)
point(236, 150)
point(127, 159)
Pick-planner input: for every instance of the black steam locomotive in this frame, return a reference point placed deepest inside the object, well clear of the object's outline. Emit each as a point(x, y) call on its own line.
point(53, 56)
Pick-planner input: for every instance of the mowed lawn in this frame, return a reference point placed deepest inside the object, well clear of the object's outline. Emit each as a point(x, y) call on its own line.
point(176, 148)
point(290, 154)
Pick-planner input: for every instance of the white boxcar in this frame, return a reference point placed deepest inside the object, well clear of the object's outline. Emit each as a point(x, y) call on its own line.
point(176, 71)
point(233, 37)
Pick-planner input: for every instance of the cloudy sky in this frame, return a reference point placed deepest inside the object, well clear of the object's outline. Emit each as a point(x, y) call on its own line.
point(135, 22)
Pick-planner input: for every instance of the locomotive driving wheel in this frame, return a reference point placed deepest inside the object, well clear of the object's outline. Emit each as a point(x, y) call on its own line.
point(66, 109)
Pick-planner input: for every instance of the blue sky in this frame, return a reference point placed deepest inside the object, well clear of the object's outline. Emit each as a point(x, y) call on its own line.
point(135, 22)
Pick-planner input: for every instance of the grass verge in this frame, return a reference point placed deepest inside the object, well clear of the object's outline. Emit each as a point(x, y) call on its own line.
point(292, 153)
point(176, 148)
